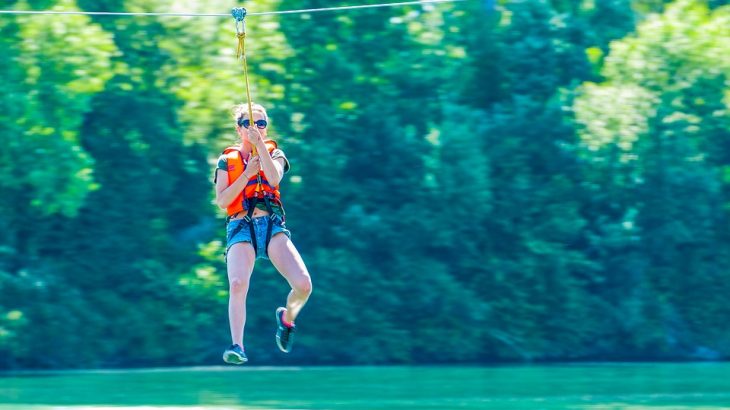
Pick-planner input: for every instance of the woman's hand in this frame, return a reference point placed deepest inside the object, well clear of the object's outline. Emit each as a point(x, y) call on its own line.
point(254, 135)
point(252, 167)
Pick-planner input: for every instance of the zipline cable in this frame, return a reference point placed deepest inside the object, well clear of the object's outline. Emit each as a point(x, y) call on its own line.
point(301, 11)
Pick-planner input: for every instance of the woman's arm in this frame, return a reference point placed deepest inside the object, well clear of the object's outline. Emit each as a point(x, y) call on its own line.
point(273, 169)
point(224, 193)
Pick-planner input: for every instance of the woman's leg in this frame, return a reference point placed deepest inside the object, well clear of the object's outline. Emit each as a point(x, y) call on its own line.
point(240, 261)
point(289, 263)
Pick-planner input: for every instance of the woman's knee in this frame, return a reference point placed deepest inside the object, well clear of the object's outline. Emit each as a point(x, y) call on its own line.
point(238, 285)
point(303, 286)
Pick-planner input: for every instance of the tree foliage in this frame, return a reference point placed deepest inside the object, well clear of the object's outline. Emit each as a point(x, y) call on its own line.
point(533, 180)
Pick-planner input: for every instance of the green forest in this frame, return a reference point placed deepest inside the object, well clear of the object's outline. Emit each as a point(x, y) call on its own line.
point(471, 182)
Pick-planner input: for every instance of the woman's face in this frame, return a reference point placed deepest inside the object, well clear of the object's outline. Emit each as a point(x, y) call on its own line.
point(260, 123)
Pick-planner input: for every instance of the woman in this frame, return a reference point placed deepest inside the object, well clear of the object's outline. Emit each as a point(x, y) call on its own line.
point(246, 185)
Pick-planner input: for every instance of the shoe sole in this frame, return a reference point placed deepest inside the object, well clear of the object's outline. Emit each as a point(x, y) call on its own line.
point(232, 358)
point(278, 339)
point(278, 343)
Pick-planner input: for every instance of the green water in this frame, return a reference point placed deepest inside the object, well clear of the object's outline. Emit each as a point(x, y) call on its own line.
point(586, 386)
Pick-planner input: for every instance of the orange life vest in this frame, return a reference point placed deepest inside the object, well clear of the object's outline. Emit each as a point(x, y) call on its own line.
point(257, 187)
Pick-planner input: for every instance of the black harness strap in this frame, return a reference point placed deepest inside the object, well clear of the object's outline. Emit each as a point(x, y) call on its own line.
point(270, 226)
point(249, 220)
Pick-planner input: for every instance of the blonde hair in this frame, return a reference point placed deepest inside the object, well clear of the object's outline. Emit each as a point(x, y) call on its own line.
point(240, 110)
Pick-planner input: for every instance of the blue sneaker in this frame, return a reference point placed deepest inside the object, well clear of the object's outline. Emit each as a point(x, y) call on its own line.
point(284, 333)
point(235, 355)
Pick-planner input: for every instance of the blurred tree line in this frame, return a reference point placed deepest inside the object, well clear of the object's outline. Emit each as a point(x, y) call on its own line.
point(474, 182)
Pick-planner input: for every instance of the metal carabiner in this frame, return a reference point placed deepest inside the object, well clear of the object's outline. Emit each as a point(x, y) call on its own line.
point(239, 13)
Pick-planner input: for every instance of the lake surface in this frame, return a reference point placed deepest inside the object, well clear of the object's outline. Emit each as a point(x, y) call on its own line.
point(577, 386)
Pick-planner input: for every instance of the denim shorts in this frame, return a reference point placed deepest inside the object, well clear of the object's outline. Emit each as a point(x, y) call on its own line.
point(238, 230)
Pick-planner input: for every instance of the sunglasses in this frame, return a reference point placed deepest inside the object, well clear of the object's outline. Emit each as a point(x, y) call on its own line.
point(260, 124)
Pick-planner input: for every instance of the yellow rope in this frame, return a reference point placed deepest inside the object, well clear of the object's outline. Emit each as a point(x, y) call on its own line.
point(241, 54)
